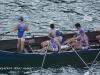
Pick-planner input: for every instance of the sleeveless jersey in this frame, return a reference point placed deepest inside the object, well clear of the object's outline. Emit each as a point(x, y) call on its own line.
point(53, 33)
point(54, 44)
point(21, 30)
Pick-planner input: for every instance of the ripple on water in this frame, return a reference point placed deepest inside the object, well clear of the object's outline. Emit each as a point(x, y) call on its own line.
point(44, 11)
point(64, 70)
point(39, 13)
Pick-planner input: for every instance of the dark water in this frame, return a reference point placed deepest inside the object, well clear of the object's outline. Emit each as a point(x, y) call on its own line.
point(40, 13)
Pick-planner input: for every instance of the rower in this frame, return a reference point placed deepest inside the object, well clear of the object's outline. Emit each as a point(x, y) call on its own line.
point(55, 44)
point(83, 44)
point(71, 40)
point(21, 27)
point(51, 35)
point(98, 36)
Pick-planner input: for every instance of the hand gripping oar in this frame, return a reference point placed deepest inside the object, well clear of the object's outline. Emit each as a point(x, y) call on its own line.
point(5, 33)
point(87, 73)
point(44, 59)
point(81, 58)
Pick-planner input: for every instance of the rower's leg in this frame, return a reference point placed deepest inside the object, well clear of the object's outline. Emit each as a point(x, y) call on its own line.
point(18, 44)
point(75, 44)
point(44, 44)
point(57, 42)
point(22, 46)
point(78, 47)
point(69, 41)
point(68, 48)
point(65, 42)
point(45, 48)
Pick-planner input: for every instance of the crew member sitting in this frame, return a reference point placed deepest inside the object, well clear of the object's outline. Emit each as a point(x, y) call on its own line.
point(54, 44)
point(70, 40)
point(83, 44)
point(51, 35)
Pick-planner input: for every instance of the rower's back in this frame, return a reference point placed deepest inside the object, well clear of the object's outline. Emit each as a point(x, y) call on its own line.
point(21, 29)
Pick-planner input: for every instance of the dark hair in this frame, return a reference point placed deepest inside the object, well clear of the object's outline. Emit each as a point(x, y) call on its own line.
point(77, 25)
point(52, 26)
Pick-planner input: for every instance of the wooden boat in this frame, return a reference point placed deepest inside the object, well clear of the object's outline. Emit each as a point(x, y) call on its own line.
point(10, 57)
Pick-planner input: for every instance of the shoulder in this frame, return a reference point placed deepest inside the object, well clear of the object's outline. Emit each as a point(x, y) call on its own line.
point(26, 24)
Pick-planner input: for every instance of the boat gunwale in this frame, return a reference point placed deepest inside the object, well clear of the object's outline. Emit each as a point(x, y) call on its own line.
point(49, 52)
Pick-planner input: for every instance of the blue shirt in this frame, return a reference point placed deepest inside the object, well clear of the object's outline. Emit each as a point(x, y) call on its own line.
point(21, 29)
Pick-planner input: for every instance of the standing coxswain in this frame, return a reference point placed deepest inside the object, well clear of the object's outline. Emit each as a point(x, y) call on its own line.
point(21, 27)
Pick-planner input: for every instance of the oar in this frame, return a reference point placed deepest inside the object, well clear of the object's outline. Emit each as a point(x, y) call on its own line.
point(37, 34)
point(81, 58)
point(44, 59)
point(5, 33)
point(76, 30)
point(87, 73)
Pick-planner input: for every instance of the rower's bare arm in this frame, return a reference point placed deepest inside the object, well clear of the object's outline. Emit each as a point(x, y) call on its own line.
point(49, 35)
point(27, 27)
point(75, 36)
point(15, 28)
point(59, 45)
point(86, 41)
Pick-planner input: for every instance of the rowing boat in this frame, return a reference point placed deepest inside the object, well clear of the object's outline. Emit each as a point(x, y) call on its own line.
point(10, 57)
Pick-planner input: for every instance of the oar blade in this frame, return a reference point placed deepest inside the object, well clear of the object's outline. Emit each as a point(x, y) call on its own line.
point(86, 73)
point(88, 18)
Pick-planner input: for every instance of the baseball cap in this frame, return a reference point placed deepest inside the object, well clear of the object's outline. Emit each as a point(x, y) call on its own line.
point(20, 18)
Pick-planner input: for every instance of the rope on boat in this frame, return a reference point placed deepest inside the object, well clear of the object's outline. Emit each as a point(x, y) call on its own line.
point(87, 73)
point(44, 58)
point(81, 58)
